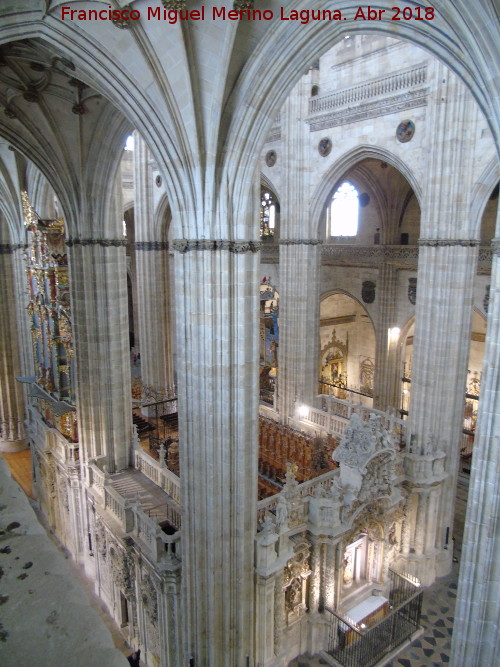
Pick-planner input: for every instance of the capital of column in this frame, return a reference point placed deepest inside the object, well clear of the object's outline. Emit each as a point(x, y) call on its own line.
point(434, 243)
point(105, 243)
point(185, 245)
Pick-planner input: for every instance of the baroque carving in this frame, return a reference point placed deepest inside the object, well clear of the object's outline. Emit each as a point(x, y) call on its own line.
point(149, 597)
point(122, 569)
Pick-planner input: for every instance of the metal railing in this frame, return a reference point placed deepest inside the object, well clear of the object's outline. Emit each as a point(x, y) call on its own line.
point(352, 646)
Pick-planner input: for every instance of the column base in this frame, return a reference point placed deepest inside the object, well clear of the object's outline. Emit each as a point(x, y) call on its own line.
point(13, 445)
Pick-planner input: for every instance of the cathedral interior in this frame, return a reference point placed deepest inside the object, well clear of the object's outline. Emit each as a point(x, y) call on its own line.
point(249, 333)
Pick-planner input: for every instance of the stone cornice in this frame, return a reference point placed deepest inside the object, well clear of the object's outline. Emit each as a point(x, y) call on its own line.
point(300, 242)
point(435, 243)
point(8, 248)
point(152, 245)
point(185, 245)
point(373, 255)
point(105, 243)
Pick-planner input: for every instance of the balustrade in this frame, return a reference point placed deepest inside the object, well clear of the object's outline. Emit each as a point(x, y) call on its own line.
point(415, 76)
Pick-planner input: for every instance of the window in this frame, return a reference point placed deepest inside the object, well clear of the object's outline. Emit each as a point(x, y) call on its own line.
point(343, 211)
point(267, 215)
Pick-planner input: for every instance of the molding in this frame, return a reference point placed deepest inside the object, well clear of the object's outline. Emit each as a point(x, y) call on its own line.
point(8, 248)
point(300, 242)
point(389, 105)
point(105, 243)
point(185, 245)
point(434, 243)
point(152, 245)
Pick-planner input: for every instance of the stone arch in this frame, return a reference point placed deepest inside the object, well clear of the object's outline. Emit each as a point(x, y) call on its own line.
point(481, 193)
point(323, 192)
point(298, 47)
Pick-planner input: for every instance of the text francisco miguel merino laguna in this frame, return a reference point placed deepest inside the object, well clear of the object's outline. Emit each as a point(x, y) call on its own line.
point(366, 13)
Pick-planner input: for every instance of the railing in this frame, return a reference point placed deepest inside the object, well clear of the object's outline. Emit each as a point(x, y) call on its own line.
point(414, 76)
point(303, 492)
point(335, 415)
point(352, 646)
point(158, 473)
point(118, 506)
point(158, 543)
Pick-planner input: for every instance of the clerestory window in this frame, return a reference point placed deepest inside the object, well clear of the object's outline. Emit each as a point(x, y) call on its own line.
point(344, 210)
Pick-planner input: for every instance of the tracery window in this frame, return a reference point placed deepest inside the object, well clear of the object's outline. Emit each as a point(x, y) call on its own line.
point(267, 215)
point(343, 211)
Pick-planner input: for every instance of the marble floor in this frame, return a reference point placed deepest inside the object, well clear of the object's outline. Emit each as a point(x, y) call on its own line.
point(432, 647)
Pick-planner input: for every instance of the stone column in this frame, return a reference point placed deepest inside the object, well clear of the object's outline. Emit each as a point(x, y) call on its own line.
point(217, 351)
point(153, 285)
point(12, 432)
point(153, 282)
point(441, 347)
point(100, 327)
point(475, 633)
point(299, 324)
point(386, 390)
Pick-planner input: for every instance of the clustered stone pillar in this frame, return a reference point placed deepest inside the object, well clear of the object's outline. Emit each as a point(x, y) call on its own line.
point(386, 374)
point(217, 346)
point(441, 348)
point(153, 284)
point(299, 324)
point(152, 259)
point(100, 332)
point(475, 632)
point(12, 431)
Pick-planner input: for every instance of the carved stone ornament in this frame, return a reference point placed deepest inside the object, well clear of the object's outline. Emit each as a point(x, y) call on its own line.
point(325, 147)
point(405, 131)
point(486, 300)
point(412, 290)
point(149, 598)
point(368, 291)
point(185, 245)
point(271, 158)
point(158, 181)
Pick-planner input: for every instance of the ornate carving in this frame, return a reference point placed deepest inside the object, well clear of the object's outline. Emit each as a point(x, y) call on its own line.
point(440, 243)
point(388, 105)
point(368, 291)
point(412, 290)
point(300, 241)
point(184, 245)
point(495, 246)
point(122, 569)
point(105, 243)
point(271, 158)
point(486, 300)
point(152, 245)
point(149, 597)
point(325, 147)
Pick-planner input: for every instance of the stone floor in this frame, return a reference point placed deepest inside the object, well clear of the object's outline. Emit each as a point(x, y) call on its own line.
point(432, 648)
